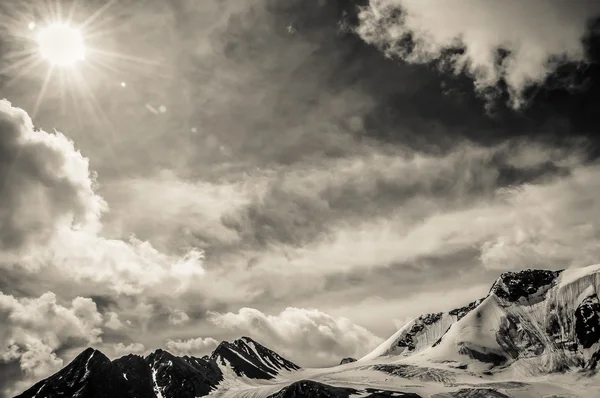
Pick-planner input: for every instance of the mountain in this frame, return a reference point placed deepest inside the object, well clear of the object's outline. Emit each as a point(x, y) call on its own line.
point(247, 357)
point(182, 376)
point(536, 320)
point(87, 376)
point(159, 375)
point(535, 334)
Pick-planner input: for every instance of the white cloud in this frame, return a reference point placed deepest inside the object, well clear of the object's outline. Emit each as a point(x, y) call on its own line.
point(315, 200)
point(130, 266)
point(194, 347)
point(405, 208)
point(168, 210)
point(121, 349)
point(178, 317)
point(538, 35)
point(46, 183)
point(547, 225)
point(34, 328)
point(39, 360)
point(541, 224)
point(384, 316)
point(112, 321)
point(308, 336)
point(50, 217)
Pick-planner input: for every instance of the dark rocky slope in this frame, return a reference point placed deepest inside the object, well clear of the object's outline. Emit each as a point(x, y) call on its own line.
point(247, 357)
point(313, 389)
point(159, 375)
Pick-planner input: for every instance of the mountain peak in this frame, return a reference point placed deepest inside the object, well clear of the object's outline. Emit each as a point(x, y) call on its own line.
point(81, 374)
point(159, 354)
point(250, 358)
point(347, 360)
point(89, 358)
point(546, 319)
point(512, 286)
point(89, 353)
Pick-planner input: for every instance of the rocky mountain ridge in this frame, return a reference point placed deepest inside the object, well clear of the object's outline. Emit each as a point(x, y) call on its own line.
point(160, 374)
point(531, 323)
point(544, 320)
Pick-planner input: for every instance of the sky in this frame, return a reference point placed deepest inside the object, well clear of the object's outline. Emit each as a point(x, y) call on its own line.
point(311, 174)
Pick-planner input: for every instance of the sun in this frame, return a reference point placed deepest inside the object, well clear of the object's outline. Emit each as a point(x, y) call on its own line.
point(61, 45)
point(70, 51)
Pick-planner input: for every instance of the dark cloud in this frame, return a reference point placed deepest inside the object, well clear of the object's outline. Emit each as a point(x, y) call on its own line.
point(10, 372)
point(306, 204)
point(446, 107)
point(490, 42)
point(256, 94)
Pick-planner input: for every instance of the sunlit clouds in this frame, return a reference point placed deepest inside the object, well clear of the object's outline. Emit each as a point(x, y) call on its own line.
point(287, 332)
point(196, 347)
point(58, 222)
point(35, 328)
point(470, 36)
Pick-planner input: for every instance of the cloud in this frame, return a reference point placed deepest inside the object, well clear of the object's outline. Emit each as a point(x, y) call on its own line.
point(548, 224)
point(320, 217)
point(308, 336)
point(38, 360)
point(182, 212)
point(112, 321)
point(44, 182)
point(505, 207)
point(178, 317)
point(51, 234)
point(537, 36)
point(382, 210)
point(194, 347)
point(50, 218)
point(131, 265)
point(376, 209)
point(121, 349)
point(531, 225)
point(385, 315)
point(300, 203)
point(35, 328)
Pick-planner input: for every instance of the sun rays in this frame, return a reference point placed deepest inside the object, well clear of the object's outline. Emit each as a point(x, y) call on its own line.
point(60, 47)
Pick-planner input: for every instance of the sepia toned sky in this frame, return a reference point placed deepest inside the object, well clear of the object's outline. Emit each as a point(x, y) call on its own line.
point(311, 174)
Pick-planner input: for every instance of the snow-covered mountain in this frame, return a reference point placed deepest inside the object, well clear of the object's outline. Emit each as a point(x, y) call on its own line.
point(247, 357)
point(532, 324)
point(537, 321)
